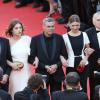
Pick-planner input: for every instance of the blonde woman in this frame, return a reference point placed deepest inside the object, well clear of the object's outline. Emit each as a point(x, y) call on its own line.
point(76, 41)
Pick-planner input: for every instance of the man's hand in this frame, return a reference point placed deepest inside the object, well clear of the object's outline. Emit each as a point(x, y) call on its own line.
point(53, 68)
point(36, 62)
point(4, 79)
point(88, 51)
point(64, 61)
point(47, 67)
point(98, 61)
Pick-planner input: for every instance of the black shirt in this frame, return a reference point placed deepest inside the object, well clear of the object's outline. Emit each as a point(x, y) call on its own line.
point(49, 43)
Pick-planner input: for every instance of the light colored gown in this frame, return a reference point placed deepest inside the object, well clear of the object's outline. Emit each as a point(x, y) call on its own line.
point(20, 51)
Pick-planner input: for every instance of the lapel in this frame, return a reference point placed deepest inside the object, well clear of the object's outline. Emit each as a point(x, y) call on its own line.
point(95, 39)
point(1, 48)
point(42, 41)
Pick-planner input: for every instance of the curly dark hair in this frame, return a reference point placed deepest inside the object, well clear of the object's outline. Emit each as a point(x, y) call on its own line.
point(35, 81)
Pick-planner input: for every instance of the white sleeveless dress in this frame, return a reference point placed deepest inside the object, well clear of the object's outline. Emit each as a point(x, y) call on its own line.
point(18, 79)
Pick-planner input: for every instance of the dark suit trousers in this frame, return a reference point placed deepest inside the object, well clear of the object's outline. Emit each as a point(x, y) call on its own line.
point(54, 85)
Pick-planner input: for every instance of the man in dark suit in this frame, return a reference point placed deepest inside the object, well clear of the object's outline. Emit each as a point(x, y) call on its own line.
point(48, 46)
point(3, 94)
point(94, 37)
point(97, 93)
point(4, 56)
point(36, 88)
point(72, 91)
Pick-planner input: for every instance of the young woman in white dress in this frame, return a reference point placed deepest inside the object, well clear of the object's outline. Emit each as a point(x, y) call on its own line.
point(20, 50)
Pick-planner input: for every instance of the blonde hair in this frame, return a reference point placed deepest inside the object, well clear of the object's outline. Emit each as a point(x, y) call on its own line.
point(73, 18)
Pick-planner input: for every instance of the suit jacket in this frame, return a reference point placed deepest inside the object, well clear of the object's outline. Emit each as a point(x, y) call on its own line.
point(93, 58)
point(69, 95)
point(5, 55)
point(4, 95)
point(38, 48)
point(91, 32)
point(28, 94)
point(92, 35)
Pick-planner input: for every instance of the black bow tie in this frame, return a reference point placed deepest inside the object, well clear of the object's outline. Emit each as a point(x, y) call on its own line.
point(97, 31)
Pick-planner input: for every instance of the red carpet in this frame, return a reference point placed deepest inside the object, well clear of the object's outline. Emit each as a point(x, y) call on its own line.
point(31, 20)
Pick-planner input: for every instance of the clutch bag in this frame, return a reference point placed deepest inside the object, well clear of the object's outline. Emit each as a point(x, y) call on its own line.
point(19, 63)
point(80, 69)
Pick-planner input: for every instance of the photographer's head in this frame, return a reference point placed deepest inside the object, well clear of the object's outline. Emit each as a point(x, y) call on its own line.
point(35, 82)
point(73, 81)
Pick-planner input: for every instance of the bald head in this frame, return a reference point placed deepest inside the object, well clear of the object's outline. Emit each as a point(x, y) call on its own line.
point(96, 19)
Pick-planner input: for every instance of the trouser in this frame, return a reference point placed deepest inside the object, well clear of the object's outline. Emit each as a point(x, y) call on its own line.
point(22, 1)
point(44, 3)
point(67, 9)
point(54, 85)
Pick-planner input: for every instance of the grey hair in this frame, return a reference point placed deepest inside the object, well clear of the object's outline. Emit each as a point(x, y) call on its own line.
point(48, 19)
point(95, 14)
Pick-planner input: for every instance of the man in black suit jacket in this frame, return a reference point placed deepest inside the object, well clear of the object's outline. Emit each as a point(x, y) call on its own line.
point(48, 46)
point(94, 37)
point(3, 94)
point(4, 56)
point(72, 91)
point(97, 93)
point(36, 88)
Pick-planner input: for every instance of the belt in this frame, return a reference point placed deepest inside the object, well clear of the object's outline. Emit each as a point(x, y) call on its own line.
point(78, 56)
